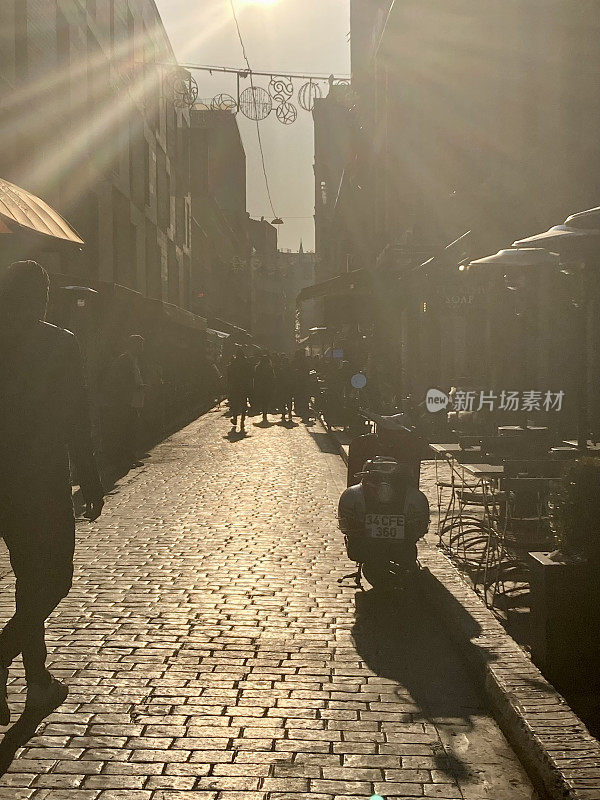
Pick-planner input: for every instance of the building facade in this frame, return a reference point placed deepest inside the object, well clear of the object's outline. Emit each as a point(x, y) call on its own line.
point(221, 276)
point(91, 119)
point(465, 117)
point(298, 271)
point(268, 287)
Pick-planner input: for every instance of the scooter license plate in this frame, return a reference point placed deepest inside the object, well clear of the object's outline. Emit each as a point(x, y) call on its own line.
point(385, 526)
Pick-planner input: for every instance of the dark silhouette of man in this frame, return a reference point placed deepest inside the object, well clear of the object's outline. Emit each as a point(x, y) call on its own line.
point(126, 394)
point(264, 384)
point(239, 386)
point(44, 420)
point(301, 384)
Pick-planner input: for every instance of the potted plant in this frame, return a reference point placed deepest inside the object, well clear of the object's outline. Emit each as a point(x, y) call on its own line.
point(565, 590)
point(575, 511)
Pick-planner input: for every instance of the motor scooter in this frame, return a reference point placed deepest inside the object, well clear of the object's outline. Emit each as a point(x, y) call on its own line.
point(394, 436)
point(382, 519)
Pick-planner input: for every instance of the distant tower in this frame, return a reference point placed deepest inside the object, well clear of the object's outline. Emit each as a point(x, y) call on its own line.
point(301, 249)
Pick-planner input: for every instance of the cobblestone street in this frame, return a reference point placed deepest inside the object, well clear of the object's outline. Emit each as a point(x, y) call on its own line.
point(212, 655)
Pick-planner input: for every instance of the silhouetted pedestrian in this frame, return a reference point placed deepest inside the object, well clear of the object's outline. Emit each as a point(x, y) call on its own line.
point(124, 393)
point(264, 385)
point(44, 419)
point(239, 387)
point(284, 387)
point(301, 384)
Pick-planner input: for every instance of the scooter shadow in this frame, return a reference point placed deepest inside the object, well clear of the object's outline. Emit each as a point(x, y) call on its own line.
point(17, 736)
point(397, 641)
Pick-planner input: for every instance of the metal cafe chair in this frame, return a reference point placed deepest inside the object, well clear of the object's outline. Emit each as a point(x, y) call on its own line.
point(524, 526)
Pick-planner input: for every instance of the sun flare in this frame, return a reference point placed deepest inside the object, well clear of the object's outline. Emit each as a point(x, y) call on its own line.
point(259, 2)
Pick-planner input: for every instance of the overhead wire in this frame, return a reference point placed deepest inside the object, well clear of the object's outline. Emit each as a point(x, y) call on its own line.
point(264, 73)
point(260, 144)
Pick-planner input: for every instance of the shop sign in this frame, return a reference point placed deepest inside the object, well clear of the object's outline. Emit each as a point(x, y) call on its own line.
point(456, 298)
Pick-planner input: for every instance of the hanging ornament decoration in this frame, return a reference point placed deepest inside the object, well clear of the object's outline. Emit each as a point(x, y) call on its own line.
point(308, 94)
point(224, 102)
point(283, 95)
point(185, 89)
point(255, 103)
point(281, 89)
point(286, 113)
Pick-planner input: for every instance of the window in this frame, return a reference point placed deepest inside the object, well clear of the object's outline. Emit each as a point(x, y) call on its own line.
point(131, 43)
point(146, 172)
point(111, 13)
point(153, 263)
point(63, 44)
point(21, 61)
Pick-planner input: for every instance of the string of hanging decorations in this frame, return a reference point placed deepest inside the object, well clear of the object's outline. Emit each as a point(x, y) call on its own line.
point(282, 95)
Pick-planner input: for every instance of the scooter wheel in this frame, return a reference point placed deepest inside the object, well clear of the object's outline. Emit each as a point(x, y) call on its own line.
point(382, 577)
point(386, 576)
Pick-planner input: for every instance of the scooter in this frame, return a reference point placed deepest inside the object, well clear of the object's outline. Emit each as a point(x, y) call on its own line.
point(382, 519)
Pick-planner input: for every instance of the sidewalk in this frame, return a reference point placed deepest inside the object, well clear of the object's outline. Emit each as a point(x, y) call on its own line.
point(555, 745)
point(212, 655)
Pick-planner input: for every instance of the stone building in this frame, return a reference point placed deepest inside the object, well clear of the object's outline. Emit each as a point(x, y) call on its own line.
point(298, 271)
point(90, 120)
point(464, 116)
point(221, 285)
point(268, 287)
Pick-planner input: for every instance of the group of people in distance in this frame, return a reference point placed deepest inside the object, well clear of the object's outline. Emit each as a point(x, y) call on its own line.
point(275, 384)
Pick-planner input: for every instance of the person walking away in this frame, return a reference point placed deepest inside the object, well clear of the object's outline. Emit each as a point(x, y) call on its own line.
point(216, 384)
point(264, 384)
point(125, 396)
point(239, 386)
point(300, 384)
point(44, 421)
point(284, 390)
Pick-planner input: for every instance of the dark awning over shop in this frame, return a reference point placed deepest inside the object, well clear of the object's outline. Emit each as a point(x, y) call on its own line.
point(239, 334)
point(346, 283)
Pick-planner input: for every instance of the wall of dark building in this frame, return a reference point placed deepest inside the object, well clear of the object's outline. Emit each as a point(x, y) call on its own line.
point(221, 267)
point(89, 122)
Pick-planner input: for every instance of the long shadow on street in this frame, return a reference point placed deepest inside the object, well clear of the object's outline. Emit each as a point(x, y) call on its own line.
point(399, 640)
point(16, 737)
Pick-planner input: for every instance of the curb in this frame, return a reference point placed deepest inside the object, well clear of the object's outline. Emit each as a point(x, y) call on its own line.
point(560, 755)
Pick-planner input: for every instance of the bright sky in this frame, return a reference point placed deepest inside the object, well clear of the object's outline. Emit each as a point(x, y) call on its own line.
point(280, 35)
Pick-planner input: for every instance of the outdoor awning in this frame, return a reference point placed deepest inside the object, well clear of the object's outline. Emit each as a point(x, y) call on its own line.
point(518, 257)
point(183, 317)
point(582, 227)
point(27, 211)
point(218, 334)
point(229, 327)
point(555, 236)
point(346, 283)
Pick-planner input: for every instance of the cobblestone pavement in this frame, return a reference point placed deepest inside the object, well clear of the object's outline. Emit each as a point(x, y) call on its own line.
point(212, 655)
